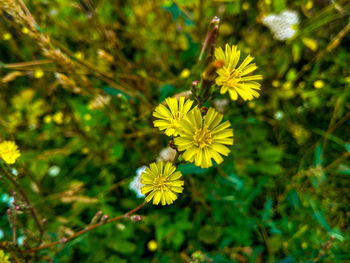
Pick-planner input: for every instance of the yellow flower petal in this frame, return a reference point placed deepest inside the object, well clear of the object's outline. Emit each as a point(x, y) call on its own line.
point(156, 198)
point(145, 189)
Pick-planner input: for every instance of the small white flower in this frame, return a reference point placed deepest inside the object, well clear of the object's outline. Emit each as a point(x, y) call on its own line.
point(278, 115)
point(136, 184)
point(281, 25)
point(5, 198)
point(54, 171)
point(20, 240)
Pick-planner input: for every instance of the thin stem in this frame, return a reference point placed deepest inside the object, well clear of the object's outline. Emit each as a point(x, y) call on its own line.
point(336, 162)
point(333, 126)
point(85, 230)
point(14, 222)
point(27, 63)
point(25, 198)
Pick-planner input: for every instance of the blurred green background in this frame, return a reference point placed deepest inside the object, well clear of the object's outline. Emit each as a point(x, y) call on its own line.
point(283, 193)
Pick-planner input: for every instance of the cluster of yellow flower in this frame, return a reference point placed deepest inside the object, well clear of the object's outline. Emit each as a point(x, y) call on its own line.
point(198, 133)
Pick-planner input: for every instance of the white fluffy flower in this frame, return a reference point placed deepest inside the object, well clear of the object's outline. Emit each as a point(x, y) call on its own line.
point(282, 25)
point(136, 184)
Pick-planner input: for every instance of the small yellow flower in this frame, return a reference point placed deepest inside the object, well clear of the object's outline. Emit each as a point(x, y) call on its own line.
point(25, 30)
point(58, 117)
point(185, 73)
point(245, 6)
point(310, 43)
point(79, 55)
point(232, 78)
point(48, 119)
point(9, 152)
point(85, 150)
point(160, 182)
point(38, 74)
point(87, 117)
point(170, 120)
point(309, 5)
point(319, 84)
point(204, 138)
point(6, 36)
point(275, 83)
point(152, 245)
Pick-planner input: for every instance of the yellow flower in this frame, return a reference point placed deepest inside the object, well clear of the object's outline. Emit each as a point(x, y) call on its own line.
point(4, 258)
point(232, 78)
point(6, 36)
point(38, 74)
point(160, 182)
point(185, 73)
point(152, 245)
point(58, 117)
point(9, 152)
point(203, 138)
point(170, 120)
point(319, 84)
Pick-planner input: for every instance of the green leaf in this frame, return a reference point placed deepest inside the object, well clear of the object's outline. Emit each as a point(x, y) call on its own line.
point(117, 151)
point(318, 214)
point(279, 5)
point(39, 168)
point(123, 246)
point(318, 155)
point(166, 91)
point(190, 168)
point(271, 154)
point(209, 234)
point(293, 199)
point(267, 212)
point(347, 146)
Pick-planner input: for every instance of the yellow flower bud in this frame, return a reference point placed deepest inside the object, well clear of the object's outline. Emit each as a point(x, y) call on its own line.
point(319, 84)
point(152, 245)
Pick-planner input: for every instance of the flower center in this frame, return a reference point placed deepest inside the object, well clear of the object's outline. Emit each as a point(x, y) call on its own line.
point(232, 78)
point(202, 138)
point(177, 117)
point(160, 183)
